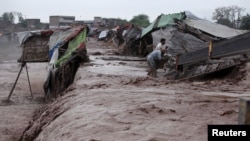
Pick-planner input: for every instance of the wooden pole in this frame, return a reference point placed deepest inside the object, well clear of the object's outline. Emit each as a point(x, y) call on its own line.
point(244, 111)
point(13, 87)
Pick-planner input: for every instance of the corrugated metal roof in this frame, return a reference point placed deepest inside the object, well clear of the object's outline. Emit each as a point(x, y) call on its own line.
point(214, 29)
point(191, 20)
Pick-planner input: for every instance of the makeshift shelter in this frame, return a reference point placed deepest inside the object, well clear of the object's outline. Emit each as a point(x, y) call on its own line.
point(106, 35)
point(184, 32)
point(185, 20)
point(67, 51)
point(63, 49)
point(199, 46)
point(34, 49)
point(178, 42)
point(131, 43)
point(119, 38)
point(35, 45)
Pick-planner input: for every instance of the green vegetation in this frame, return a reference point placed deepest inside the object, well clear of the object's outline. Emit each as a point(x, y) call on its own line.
point(8, 16)
point(230, 16)
point(140, 20)
point(245, 23)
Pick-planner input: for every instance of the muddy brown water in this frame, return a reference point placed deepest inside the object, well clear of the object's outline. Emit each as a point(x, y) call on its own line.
point(116, 100)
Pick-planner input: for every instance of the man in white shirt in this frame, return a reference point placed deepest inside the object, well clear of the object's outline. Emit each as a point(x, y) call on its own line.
point(161, 45)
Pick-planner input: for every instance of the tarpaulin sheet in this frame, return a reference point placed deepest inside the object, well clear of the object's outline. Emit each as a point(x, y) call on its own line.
point(178, 42)
point(23, 36)
point(73, 45)
point(103, 34)
point(58, 38)
point(163, 21)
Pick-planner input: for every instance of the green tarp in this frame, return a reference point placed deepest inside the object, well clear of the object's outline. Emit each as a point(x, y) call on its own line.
point(73, 45)
point(162, 21)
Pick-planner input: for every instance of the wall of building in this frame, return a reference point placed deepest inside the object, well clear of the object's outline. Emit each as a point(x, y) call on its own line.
point(61, 21)
point(33, 23)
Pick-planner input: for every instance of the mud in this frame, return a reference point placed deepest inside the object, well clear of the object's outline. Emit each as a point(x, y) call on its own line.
point(116, 100)
point(16, 114)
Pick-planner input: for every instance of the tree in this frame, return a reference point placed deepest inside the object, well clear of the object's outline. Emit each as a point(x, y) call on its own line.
point(245, 23)
point(11, 18)
point(5, 16)
point(8, 16)
point(221, 13)
point(121, 22)
point(141, 20)
point(226, 22)
point(21, 20)
point(232, 14)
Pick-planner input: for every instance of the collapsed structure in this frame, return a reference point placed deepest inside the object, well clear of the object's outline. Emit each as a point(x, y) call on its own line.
point(63, 49)
point(130, 43)
point(198, 46)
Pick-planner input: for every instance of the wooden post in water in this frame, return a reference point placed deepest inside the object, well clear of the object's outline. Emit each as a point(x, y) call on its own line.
point(244, 111)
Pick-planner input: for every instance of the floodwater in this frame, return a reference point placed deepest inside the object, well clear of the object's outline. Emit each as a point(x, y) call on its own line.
point(116, 100)
point(10, 49)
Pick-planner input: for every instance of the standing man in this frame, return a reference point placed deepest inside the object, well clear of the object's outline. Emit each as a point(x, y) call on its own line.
point(161, 45)
point(154, 59)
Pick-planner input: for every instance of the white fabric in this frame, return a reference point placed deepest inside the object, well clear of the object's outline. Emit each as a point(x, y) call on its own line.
point(59, 36)
point(159, 46)
point(103, 34)
point(54, 57)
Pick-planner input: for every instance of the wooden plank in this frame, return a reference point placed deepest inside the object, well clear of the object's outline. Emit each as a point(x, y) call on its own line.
point(193, 57)
point(234, 46)
point(229, 47)
point(198, 70)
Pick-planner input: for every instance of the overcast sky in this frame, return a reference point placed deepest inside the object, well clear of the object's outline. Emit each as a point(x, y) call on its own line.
point(124, 9)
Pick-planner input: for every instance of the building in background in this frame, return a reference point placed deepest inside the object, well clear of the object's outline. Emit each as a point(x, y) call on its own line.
point(108, 23)
point(33, 23)
point(90, 23)
point(61, 21)
point(97, 21)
